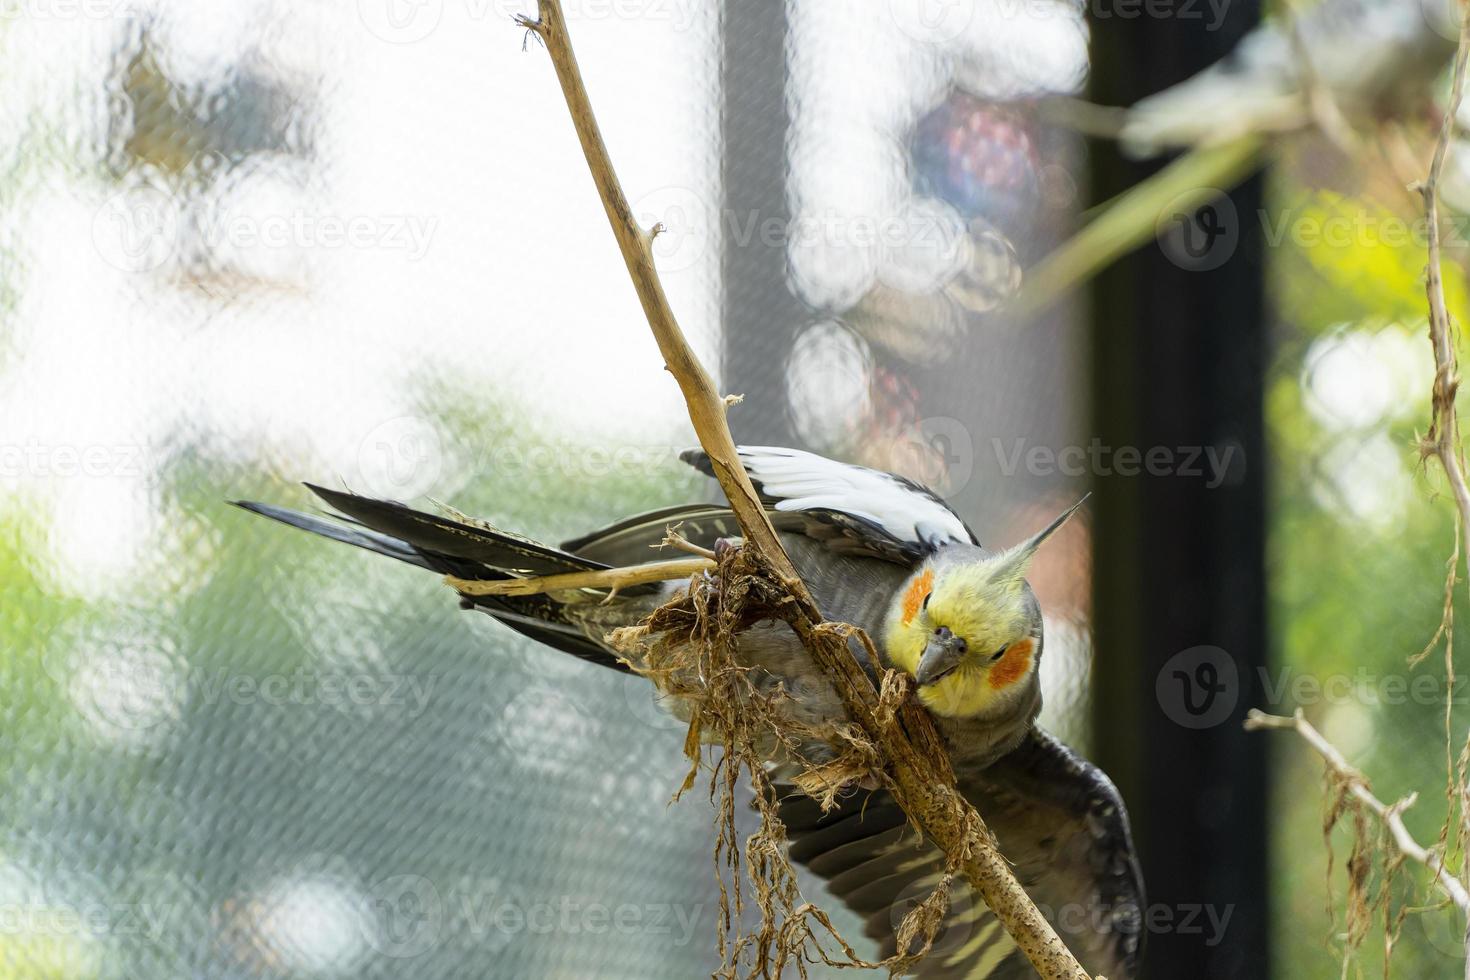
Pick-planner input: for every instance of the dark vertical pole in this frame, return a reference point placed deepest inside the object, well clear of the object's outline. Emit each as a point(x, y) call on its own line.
point(1179, 358)
point(759, 314)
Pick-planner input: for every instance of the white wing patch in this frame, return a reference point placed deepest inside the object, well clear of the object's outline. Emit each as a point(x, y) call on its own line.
point(805, 481)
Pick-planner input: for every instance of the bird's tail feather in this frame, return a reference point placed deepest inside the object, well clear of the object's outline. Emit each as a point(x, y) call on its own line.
point(468, 550)
point(471, 541)
point(359, 537)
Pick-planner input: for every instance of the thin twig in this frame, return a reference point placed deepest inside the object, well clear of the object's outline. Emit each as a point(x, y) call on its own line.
point(1443, 438)
point(607, 578)
point(923, 782)
point(673, 539)
point(1390, 814)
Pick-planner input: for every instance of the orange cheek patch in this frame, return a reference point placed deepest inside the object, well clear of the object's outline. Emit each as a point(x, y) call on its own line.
point(914, 597)
point(1015, 665)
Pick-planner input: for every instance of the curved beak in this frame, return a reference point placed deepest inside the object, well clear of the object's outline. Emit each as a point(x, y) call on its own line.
point(941, 656)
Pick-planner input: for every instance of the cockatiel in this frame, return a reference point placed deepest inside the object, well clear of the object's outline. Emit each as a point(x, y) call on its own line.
point(885, 554)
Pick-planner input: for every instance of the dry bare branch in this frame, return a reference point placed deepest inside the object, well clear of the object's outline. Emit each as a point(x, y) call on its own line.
point(1357, 785)
point(1442, 441)
point(608, 578)
point(1443, 438)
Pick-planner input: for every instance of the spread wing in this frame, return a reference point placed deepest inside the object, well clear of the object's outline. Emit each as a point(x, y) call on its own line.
point(853, 509)
point(1059, 821)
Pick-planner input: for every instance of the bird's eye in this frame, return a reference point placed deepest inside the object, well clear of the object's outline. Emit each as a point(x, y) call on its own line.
point(998, 654)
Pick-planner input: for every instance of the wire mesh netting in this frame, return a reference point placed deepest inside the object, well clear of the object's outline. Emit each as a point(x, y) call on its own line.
point(252, 244)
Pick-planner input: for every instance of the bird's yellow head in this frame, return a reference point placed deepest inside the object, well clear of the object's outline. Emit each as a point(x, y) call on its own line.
point(966, 626)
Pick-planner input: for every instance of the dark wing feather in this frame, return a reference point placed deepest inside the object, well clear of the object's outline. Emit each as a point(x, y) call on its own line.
point(853, 509)
point(477, 542)
point(1060, 823)
point(1087, 860)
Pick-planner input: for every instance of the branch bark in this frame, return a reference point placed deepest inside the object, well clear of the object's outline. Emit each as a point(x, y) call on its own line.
point(1443, 441)
point(606, 578)
point(923, 782)
point(1443, 438)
